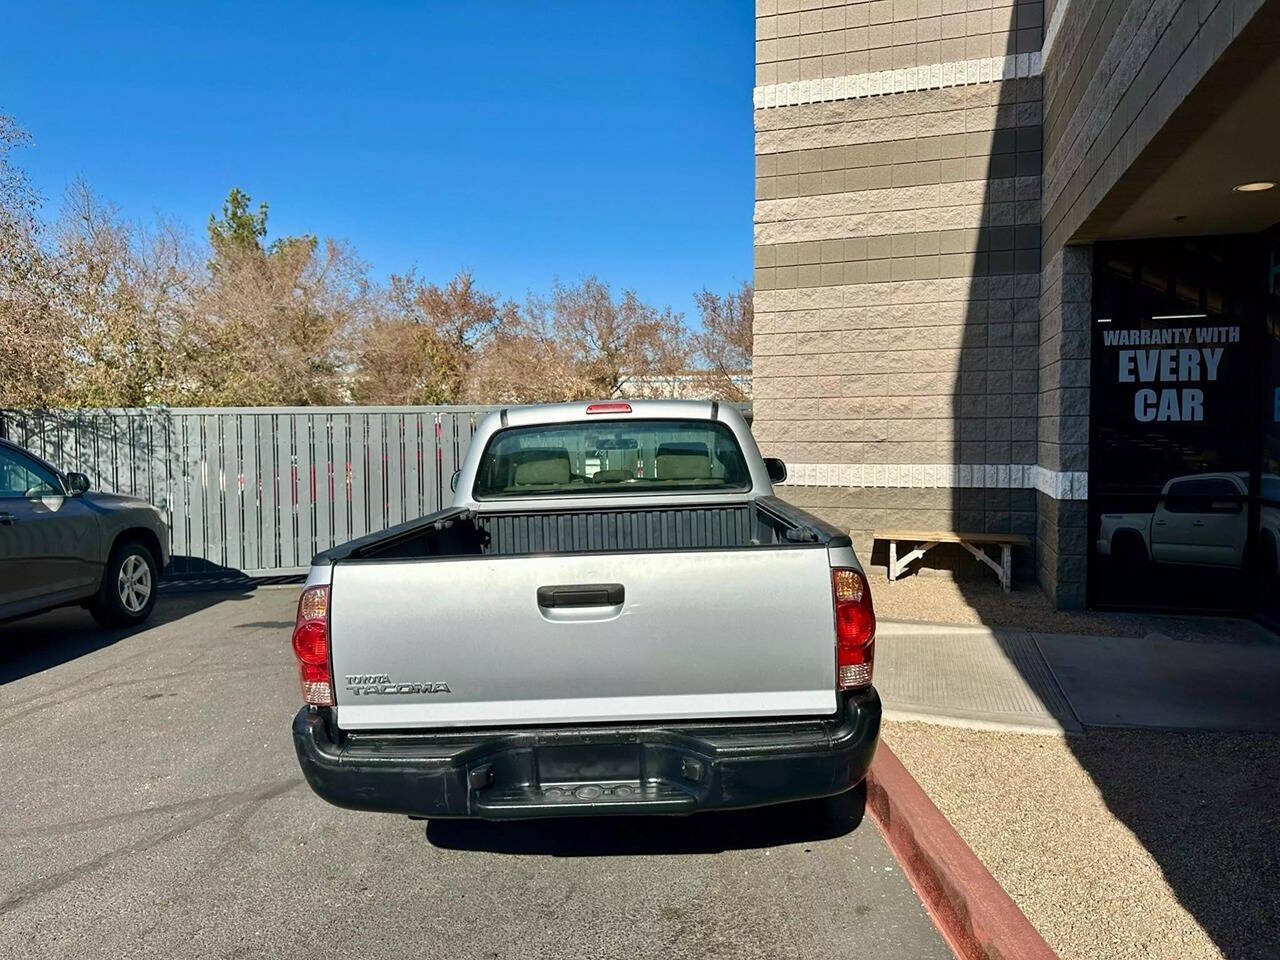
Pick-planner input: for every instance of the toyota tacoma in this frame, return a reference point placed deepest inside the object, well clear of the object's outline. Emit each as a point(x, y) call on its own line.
point(615, 616)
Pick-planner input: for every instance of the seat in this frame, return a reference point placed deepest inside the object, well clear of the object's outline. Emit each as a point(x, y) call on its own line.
point(683, 461)
point(548, 467)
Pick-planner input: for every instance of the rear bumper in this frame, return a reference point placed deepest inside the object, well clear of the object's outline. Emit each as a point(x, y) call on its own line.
point(576, 771)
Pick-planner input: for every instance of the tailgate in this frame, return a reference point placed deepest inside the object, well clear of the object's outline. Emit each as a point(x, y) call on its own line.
point(583, 638)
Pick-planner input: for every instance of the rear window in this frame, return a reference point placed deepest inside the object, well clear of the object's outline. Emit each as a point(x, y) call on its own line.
point(612, 456)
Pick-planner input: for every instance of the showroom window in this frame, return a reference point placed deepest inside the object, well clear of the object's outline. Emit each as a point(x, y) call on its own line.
point(1175, 434)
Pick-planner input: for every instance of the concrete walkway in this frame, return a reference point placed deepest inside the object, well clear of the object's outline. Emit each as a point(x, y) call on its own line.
point(993, 678)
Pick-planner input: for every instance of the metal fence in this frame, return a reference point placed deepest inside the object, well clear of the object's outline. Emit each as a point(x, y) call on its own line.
point(261, 489)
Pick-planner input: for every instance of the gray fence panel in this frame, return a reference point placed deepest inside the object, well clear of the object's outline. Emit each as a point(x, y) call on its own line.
point(193, 470)
point(259, 490)
point(179, 505)
point(358, 475)
point(232, 490)
point(250, 505)
point(446, 455)
point(376, 465)
point(341, 479)
point(303, 440)
point(414, 501)
point(322, 468)
point(269, 494)
point(287, 486)
point(394, 432)
point(212, 483)
point(430, 465)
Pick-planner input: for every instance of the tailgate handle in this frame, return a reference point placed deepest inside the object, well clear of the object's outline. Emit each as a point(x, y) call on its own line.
point(582, 595)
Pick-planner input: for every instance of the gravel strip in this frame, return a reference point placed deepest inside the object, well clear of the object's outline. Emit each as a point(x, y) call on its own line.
point(1122, 843)
point(942, 599)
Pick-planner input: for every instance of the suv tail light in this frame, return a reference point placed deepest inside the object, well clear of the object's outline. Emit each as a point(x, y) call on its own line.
point(855, 628)
point(311, 646)
point(609, 408)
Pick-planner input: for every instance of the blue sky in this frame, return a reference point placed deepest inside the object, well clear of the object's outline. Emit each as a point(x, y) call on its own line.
point(524, 140)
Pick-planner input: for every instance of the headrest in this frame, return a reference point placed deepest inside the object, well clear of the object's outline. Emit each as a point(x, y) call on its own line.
point(683, 446)
point(683, 461)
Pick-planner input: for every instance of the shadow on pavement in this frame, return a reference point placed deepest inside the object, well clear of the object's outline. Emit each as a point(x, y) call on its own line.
point(1205, 807)
point(1202, 804)
point(193, 574)
point(38, 643)
point(792, 823)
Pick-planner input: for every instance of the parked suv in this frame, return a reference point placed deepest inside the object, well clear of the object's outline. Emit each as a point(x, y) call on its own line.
point(61, 544)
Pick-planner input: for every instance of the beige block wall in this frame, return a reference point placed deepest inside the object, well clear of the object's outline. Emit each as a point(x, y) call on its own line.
point(898, 261)
point(810, 39)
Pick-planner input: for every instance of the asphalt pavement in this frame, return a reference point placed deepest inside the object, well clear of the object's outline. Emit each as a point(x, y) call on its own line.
point(151, 806)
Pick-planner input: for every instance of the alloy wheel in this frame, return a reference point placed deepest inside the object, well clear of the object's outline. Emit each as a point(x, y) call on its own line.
point(134, 584)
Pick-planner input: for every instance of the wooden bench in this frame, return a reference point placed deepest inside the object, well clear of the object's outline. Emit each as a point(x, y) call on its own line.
point(973, 542)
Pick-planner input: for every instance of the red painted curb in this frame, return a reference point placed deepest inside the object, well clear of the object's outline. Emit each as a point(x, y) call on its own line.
point(975, 916)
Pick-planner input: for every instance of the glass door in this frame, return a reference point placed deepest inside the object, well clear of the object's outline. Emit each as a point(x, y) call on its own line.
point(1174, 441)
point(1267, 522)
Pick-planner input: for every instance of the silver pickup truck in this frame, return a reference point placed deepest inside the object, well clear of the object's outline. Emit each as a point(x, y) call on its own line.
point(616, 616)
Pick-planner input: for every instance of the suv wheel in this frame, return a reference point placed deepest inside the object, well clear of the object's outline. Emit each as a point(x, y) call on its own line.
point(128, 591)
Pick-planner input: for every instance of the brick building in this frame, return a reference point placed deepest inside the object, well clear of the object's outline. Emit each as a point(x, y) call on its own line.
point(949, 195)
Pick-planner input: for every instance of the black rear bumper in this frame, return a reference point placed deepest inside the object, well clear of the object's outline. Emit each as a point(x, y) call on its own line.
point(575, 771)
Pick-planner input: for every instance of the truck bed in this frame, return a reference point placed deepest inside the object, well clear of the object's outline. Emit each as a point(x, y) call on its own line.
point(457, 532)
point(470, 618)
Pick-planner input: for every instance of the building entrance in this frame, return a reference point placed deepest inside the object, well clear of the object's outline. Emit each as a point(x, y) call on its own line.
point(1183, 464)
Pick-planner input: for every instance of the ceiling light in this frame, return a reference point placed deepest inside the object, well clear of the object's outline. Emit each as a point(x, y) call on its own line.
point(1255, 186)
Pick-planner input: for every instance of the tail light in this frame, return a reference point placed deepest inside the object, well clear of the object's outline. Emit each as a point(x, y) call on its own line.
point(855, 628)
point(311, 646)
point(609, 408)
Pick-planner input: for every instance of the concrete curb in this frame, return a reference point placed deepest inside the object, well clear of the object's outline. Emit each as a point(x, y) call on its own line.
point(978, 920)
point(977, 723)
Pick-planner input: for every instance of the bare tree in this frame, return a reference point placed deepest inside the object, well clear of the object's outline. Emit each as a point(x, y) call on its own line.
point(34, 332)
point(270, 328)
point(524, 364)
point(18, 202)
point(127, 292)
point(269, 324)
point(725, 342)
point(616, 345)
point(426, 339)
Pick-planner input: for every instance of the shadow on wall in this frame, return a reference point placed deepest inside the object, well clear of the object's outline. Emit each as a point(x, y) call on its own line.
point(1219, 860)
